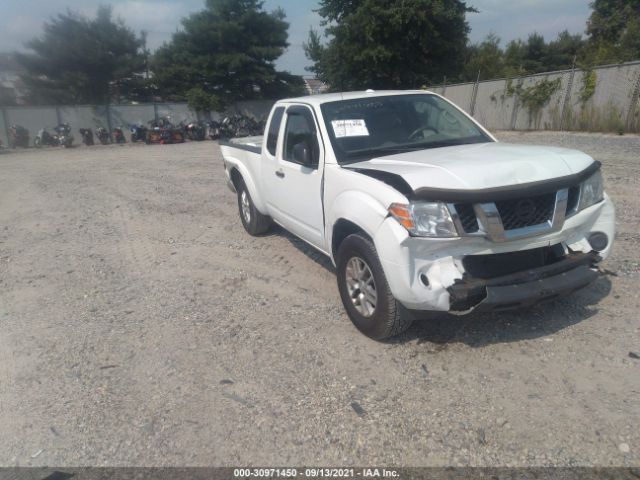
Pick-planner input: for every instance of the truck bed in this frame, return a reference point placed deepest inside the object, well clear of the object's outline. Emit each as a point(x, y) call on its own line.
point(251, 144)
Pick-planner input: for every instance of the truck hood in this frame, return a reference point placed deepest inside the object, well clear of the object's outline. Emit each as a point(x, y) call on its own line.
point(479, 166)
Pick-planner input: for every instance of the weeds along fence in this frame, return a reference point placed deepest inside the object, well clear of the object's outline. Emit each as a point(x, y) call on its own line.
point(601, 99)
point(112, 116)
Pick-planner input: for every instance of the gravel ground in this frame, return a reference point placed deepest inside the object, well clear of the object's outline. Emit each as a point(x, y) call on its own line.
point(140, 325)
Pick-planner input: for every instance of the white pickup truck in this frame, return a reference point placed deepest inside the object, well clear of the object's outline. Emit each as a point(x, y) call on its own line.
point(421, 208)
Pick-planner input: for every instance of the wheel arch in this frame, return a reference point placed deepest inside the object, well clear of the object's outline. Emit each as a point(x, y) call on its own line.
point(237, 172)
point(342, 228)
point(353, 212)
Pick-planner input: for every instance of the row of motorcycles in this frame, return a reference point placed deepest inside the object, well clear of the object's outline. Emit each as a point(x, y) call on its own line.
point(163, 131)
point(160, 131)
point(61, 136)
point(103, 136)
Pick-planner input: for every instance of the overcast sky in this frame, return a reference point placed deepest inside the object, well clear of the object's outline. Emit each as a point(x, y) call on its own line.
point(20, 20)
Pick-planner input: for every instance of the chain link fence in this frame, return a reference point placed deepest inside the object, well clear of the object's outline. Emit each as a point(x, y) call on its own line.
point(603, 99)
point(112, 116)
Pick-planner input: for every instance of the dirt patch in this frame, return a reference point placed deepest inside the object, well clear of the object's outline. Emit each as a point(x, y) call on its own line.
point(140, 325)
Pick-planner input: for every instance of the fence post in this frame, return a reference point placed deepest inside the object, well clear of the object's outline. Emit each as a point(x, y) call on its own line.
point(567, 95)
point(474, 95)
point(5, 119)
point(58, 116)
point(634, 100)
point(109, 125)
point(444, 86)
point(155, 112)
point(516, 101)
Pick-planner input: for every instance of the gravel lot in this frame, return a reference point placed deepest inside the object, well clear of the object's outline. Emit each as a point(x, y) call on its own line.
point(140, 325)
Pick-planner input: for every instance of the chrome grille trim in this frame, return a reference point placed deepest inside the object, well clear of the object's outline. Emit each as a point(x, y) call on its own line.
point(490, 222)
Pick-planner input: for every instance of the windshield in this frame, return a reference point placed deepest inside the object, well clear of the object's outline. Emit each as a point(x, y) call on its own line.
point(365, 128)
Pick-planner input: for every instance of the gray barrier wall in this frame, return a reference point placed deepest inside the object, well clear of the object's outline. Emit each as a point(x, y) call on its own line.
point(109, 117)
point(604, 99)
point(609, 103)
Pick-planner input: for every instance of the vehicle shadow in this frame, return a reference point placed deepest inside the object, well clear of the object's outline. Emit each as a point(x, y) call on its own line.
point(477, 330)
point(302, 246)
point(481, 329)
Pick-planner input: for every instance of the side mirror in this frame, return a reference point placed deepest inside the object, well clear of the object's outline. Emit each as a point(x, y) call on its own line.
point(302, 154)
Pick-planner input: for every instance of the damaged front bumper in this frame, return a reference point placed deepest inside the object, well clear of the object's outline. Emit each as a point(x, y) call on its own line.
point(433, 274)
point(526, 288)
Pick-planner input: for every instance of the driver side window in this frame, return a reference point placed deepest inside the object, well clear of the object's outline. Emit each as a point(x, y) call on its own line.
point(300, 141)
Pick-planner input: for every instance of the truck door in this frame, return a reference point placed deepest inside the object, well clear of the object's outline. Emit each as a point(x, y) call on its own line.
point(294, 177)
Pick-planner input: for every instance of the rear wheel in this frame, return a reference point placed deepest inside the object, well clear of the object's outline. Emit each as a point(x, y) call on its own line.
point(254, 222)
point(365, 292)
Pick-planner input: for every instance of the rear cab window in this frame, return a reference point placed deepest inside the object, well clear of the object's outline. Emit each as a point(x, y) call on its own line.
point(274, 129)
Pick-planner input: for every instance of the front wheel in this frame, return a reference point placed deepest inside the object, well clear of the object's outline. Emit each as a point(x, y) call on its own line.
point(365, 292)
point(254, 222)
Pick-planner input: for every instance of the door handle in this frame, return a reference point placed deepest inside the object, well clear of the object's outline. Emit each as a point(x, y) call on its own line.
point(280, 173)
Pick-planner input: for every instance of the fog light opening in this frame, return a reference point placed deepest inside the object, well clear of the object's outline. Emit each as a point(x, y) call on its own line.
point(424, 279)
point(598, 241)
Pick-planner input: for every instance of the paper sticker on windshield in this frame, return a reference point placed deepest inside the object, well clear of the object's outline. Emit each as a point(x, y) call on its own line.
point(350, 128)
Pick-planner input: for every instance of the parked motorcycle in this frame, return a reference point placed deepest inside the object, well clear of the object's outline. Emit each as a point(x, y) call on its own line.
point(65, 137)
point(162, 131)
point(18, 136)
point(44, 138)
point(240, 126)
point(139, 133)
point(87, 136)
point(103, 135)
point(213, 130)
point(194, 131)
point(118, 135)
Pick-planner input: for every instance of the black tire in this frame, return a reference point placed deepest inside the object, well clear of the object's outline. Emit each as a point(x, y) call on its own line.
point(254, 222)
point(389, 318)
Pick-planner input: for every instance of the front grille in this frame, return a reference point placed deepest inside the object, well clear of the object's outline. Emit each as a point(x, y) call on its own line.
point(467, 217)
point(526, 212)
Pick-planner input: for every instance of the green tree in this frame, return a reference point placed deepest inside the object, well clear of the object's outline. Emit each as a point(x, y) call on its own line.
point(82, 60)
point(614, 31)
point(562, 51)
point(486, 57)
point(535, 52)
point(389, 44)
point(514, 56)
point(521, 57)
point(225, 53)
point(535, 55)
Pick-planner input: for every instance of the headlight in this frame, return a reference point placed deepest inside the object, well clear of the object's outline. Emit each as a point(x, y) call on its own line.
point(424, 219)
point(591, 191)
